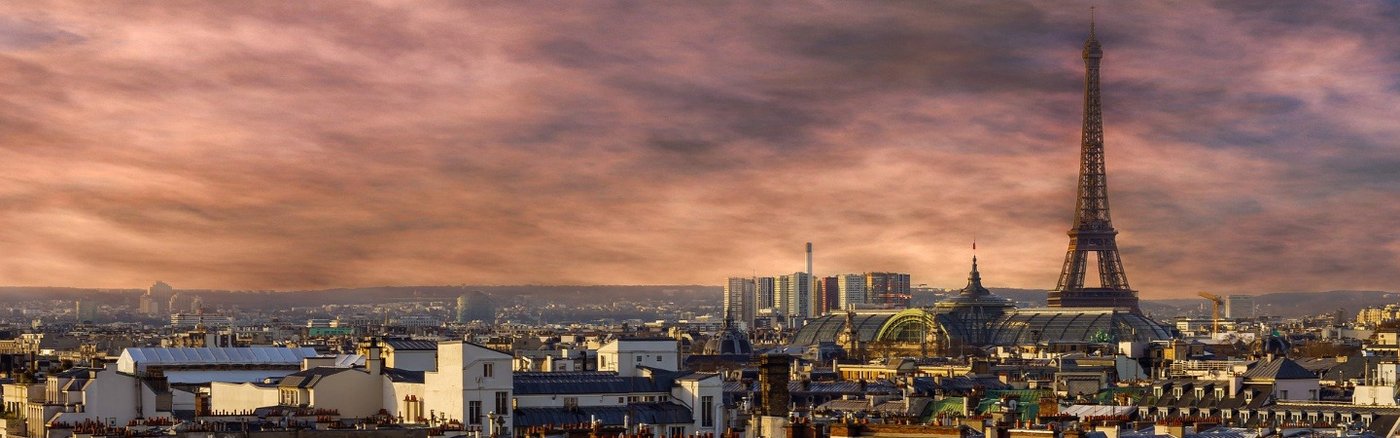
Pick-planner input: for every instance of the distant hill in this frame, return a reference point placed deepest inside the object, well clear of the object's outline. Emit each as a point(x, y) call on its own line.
point(1279, 303)
point(680, 296)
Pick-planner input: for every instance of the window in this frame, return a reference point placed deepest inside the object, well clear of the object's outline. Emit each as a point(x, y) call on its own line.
point(488, 369)
point(632, 399)
point(474, 412)
point(707, 411)
point(1283, 394)
point(570, 402)
point(658, 358)
point(639, 358)
point(1312, 394)
point(502, 402)
point(677, 431)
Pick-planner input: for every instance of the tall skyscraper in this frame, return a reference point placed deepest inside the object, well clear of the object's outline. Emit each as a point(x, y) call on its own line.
point(797, 290)
point(782, 294)
point(1092, 231)
point(889, 289)
point(828, 295)
point(739, 295)
point(851, 291)
point(764, 292)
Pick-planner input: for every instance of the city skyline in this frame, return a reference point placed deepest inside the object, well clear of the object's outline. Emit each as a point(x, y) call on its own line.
point(1251, 147)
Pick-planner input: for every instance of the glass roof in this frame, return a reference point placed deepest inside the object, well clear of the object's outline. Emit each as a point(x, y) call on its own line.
point(1075, 325)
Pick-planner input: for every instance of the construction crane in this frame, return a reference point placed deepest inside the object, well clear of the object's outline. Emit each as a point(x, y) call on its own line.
point(1215, 303)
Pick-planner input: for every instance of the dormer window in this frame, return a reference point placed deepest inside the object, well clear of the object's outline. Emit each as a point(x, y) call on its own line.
point(1200, 393)
point(1176, 392)
point(1157, 391)
point(1219, 393)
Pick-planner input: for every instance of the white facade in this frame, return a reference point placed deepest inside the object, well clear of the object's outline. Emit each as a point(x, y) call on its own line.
point(101, 395)
point(796, 292)
point(625, 355)
point(470, 384)
point(704, 394)
point(241, 396)
point(355, 393)
point(410, 359)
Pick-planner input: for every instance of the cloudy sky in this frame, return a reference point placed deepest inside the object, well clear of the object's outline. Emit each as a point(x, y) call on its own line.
point(1251, 147)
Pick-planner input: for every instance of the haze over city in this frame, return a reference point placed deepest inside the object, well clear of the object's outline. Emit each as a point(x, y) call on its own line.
point(288, 145)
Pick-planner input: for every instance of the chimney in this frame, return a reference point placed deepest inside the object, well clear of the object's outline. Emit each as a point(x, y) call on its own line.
point(374, 364)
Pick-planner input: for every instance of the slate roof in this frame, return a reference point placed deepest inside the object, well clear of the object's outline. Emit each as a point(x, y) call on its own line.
point(1281, 368)
point(636, 413)
point(588, 382)
point(957, 384)
point(410, 344)
point(401, 375)
point(309, 378)
point(1355, 367)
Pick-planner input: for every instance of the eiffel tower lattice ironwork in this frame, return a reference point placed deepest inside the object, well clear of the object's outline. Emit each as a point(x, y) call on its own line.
point(1092, 230)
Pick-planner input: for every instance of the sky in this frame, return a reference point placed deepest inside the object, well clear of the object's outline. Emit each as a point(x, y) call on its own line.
point(1251, 146)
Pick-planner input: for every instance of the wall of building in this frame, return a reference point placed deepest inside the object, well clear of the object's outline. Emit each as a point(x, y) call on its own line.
point(412, 360)
point(1296, 389)
point(232, 397)
point(356, 394)
point(460, 379)
point(623, 356)
point(697, 391)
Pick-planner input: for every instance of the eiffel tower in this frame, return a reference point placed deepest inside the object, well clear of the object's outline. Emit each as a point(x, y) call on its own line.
point(1092, 230)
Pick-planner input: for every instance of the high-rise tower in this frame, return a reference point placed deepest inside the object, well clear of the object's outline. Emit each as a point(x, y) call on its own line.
point(1092, 231)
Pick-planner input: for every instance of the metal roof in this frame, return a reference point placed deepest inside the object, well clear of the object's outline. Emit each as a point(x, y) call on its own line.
point(309, 378)
point(636, 413)
point(137, 359)
point(588, 382)
point(231, 376)
point(1281, 368)
point(410, 344)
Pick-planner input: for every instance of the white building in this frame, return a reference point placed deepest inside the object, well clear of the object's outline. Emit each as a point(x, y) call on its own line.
point(794, 295)
point(471, 384)
point(337, 383)
point(106, 396)
point(624, 356)
point(410, 354)
point(150, 384)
